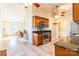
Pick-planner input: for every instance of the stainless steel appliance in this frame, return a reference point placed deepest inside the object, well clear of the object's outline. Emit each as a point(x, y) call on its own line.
point(74, 33)
point(45, 37)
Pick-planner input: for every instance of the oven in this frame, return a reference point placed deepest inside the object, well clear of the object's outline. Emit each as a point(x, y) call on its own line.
point(46, 37)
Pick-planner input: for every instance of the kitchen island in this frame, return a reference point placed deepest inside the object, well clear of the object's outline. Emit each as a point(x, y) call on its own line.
point(63, 48)
point(41, 37)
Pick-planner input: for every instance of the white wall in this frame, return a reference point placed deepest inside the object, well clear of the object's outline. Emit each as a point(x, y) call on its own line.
point(19, 26)
point(0, 27)
point(28, 23)
point(13, 13)
point(65, 24)
point(0, 30)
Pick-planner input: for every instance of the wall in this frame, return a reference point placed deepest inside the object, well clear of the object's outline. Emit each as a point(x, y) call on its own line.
point(28, 23)
point(64, 24)
point(62, 28)
point(0, 29)
point(19, 26)
point(13, 13)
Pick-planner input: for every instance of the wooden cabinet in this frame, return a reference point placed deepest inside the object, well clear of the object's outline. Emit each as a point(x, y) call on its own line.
point(3, 53)
point(46, 22)
point(76, 12)
point(60, 51)
point(36, 21)
point(40, 37)
point(37, 39)
point(49, 36)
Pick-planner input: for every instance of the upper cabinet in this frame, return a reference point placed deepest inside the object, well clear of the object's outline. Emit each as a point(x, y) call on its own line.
point(40, 21)
point(76, 12)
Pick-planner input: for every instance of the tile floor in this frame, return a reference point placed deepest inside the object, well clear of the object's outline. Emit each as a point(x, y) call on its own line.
point(18, 47)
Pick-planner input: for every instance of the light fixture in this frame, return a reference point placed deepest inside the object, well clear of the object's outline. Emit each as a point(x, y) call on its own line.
point(57, 16)
point(60, 14)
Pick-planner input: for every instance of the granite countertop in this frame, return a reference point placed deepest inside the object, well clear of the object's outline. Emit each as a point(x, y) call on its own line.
point(67, 45)
point(42, 31)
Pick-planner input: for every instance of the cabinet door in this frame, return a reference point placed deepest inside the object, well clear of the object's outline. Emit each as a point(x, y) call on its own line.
point(59, 51)
point(40, 39)
point(73, 53)
point(37, 39)
point(76, 12)
point(36, 21)
point(3, 53)
point(46, 22)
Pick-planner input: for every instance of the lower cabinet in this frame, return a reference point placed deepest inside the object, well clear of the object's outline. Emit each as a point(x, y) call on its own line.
point(60, 51)
point(37, 39)
point(3, 53)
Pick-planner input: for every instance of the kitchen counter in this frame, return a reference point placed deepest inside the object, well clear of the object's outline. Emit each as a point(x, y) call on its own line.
point(67, 45)
point(41, 31)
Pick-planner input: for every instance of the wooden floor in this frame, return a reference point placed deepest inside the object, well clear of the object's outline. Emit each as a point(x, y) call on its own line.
point(18, 47)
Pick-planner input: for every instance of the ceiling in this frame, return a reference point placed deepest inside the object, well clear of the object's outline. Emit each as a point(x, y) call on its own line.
point(49, 5)
point(52, 6)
